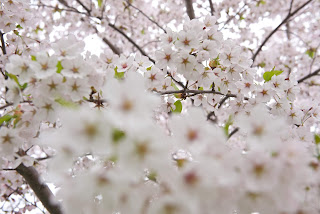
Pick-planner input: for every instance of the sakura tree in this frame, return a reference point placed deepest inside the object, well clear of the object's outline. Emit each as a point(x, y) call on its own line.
point(189, 107)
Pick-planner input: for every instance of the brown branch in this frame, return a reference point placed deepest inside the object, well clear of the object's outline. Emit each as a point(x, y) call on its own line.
point(309, 75)
point(131, 41)
point(41, 189)
point(277, 28)
point(233, 132)
point(84, 7)
point(190, 10)
point(194, 92)
point(211, 7)
point(145, 15)
point(3, 44)
point(232, 17)
point(111, 46)
point(222, 101)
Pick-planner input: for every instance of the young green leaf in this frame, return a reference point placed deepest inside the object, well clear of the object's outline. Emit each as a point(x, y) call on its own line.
point(269, 74)
point(317, 138)
point(117, 135)
point(118, 75)
point(310, 52)
point(100, 3)
point(178, 105)
point(66, 103)
point(227, 125)
point(59, 67)
point(5, 118)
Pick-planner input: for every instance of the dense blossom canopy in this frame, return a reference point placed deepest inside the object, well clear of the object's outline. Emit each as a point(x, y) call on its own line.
point(159, 107)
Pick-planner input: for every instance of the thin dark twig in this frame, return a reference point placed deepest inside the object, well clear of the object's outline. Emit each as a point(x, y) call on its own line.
point(232, 17)
point(176, 81)
point(131, 41)
point(233, 132)
point(210, 115)
point(195, 92)
point(277, 28)
point(84, 7)
point(114, 49)
point(309, 75)
point(222, 101)
point(145, 15)
point(211, 7)
point(10, 104)
point(3, 44)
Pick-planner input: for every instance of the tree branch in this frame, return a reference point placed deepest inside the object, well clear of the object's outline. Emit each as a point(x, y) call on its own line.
point(309, 75)
point(145, 15)
point(3, 44)
point(277, 28)
point(211, 7)
point(194, 92)
point(190, 10)
point(84, 7)
point(111, 46)
point(233, 132)
point(131, 41)
point(232, 17)
point(41, 190)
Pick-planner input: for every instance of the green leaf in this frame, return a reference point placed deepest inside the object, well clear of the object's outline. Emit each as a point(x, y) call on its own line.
point(261, 2)
point(118, 75)
point(13, 77)
point(152, 176)
point(33, 58)
point(59, 67)
point(24, 86)
point(100, 3)
point(262, 64)
point(19, 26)
point(277, 72)
point(142, 32)
point(5, 118)
point(178, 105)
point(66, 103)
point(174, 85)
point(117, 135)
point(317, 138)
point(227, 125)
point(201, 88)
point(269, 74)
point(149, 68)
point(310, 52)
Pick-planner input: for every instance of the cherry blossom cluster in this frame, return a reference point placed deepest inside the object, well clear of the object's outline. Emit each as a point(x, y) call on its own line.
point(197, 130)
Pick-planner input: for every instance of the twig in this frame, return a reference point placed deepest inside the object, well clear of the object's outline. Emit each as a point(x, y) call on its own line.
point(232, 17)
point(111, 46)
point(195, 92)
point(145, 15)
point(84, 7)
point(211, 7)
point(131, 41)
point(222, 101)
point(190, 10)
point(10, 104)
point(176, 81)
point(309, 75)
point(276, 29)
point(210, 115)
point(3, 44)
point(233, 132)
point(114, 49)
point(41, 189)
